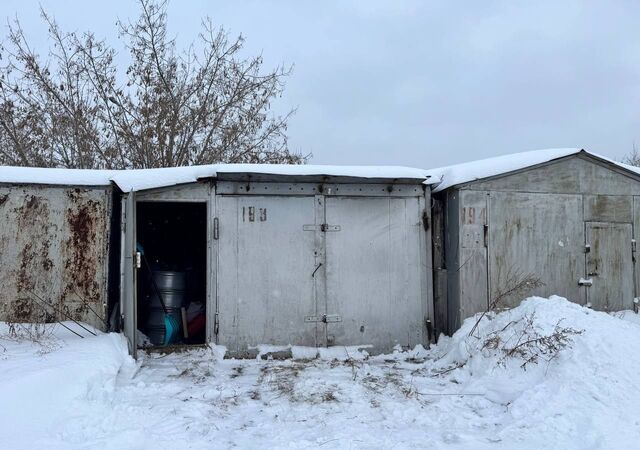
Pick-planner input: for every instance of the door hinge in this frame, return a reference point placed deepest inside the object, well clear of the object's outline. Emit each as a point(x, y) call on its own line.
point(325, 318)
point(587, 248)
point(138, 259)
point(216, 228)
point(323, 227)
point(485, 230)
point(216, 324)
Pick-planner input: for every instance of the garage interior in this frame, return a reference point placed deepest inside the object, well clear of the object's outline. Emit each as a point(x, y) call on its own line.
point(172, 279)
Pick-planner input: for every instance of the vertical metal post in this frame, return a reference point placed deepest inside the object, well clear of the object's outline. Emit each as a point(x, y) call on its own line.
point(487, 244)
point(320, 275)
point(426, 261)
point(213, 234)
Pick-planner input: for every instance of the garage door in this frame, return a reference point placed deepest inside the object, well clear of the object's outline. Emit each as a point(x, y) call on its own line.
point(373, 272)
point(321, 271)
point(539, 235)
point(265, 263)
point(609, 265)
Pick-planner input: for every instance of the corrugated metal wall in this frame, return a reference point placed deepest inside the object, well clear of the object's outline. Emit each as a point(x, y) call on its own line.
point(54, 246)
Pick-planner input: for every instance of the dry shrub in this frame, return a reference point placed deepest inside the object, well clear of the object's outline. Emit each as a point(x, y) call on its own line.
point(515, 283)
point(26, 322)
point(523, 340)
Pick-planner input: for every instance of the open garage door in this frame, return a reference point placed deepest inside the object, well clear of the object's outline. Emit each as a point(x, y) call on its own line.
point(128, 271)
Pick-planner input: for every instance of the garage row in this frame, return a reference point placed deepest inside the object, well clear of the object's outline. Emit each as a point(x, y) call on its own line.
point(315, 256)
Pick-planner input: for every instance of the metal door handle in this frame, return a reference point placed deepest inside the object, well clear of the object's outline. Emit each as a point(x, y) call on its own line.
point(585, 282)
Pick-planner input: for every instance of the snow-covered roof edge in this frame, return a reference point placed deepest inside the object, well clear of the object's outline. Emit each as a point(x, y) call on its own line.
point(441, 178)
point(144, 179)
point(445, 177)
point(138, 180)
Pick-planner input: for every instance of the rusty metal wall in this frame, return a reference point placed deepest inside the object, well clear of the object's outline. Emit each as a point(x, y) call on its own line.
point(54, 245)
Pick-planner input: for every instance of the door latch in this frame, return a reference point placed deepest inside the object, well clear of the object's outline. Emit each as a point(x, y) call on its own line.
point(325, 227)
point(325, 318)
point(585, 281)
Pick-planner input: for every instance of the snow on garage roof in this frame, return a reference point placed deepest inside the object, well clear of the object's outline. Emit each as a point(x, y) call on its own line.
point(446, 177)
point(39, 175)
point(138, 180)
point(141, 179)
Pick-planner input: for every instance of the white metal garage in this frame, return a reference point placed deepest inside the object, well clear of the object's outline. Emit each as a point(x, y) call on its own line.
point(321, 265)
point(305, 259)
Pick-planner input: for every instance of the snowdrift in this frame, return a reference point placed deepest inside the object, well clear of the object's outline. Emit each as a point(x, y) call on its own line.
point(548, 373)
point(585, 395)
point(44, 386)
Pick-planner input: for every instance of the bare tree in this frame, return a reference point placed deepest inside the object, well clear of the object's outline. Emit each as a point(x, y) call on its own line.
point(633, 157)
point(168, 108)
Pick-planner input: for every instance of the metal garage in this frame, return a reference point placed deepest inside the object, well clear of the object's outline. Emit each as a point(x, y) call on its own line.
point(316, 256)
point(54, 243)
point(319, 257)
point(566, 216)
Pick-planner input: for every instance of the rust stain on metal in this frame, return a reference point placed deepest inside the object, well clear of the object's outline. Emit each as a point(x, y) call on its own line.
point(84, 219)
point(4, 239)
point(33, 219)
point(53, 245)
point(25, 282)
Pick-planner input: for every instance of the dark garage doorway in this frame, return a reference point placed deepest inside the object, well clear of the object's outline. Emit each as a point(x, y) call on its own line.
point(172, 236)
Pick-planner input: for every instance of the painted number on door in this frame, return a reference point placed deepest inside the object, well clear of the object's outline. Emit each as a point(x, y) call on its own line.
point(249, 214)
point(472, 215)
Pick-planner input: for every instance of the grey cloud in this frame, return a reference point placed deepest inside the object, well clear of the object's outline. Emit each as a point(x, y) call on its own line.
point(427, 83)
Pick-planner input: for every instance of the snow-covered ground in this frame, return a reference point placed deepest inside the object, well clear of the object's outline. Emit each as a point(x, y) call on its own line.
point(465, 392)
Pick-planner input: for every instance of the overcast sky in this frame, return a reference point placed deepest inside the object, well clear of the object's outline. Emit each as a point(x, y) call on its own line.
point(422, 83)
